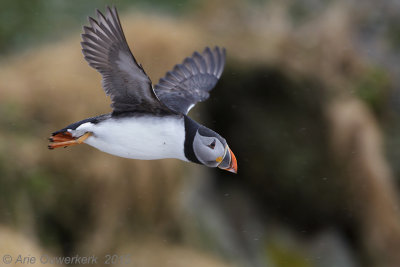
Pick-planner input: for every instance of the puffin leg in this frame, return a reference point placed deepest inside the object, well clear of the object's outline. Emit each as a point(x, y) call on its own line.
point(60, 141)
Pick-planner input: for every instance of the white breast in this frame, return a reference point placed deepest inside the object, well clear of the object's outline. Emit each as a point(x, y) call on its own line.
point(138, 137)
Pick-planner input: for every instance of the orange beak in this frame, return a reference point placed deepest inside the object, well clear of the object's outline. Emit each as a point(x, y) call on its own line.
point(232, 163)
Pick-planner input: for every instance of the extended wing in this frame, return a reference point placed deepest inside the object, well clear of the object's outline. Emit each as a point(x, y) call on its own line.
point(191, 81)
point(124, 80)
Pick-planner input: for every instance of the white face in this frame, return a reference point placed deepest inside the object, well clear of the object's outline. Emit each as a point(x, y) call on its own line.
point(208, 150)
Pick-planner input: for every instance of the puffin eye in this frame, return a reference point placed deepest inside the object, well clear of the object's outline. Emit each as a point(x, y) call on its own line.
point(212, 145)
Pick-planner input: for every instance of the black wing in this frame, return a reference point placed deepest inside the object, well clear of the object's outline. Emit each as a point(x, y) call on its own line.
point(124, 80)
point(190, 82)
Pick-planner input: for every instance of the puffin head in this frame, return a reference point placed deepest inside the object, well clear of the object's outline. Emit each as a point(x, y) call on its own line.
point(212, 150)
point(206, 147)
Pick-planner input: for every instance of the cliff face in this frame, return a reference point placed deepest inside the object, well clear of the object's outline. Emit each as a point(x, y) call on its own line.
point(301, 104)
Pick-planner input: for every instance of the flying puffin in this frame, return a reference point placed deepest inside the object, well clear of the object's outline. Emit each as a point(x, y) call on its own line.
point(148, 123)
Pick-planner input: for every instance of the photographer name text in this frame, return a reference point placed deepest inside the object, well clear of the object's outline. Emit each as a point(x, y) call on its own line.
point(28, 259)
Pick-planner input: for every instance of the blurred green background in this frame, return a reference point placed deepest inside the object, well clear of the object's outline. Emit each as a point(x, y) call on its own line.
point(308, 101)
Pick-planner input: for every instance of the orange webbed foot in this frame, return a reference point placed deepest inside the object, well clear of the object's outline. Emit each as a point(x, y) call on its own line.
point(65, 139)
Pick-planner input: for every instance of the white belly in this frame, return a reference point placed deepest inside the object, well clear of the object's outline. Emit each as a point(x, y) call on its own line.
point(138, 138)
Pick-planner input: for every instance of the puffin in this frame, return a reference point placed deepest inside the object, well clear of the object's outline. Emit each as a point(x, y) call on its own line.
point(148, 122)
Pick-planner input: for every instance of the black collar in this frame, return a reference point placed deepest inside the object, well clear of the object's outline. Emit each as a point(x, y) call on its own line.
point(191, 128)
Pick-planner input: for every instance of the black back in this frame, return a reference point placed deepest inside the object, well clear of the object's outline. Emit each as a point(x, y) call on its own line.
point(75, 125)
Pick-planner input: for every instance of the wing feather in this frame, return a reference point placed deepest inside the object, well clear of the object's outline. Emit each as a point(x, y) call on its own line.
point(191, 81)
point(105, 48)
